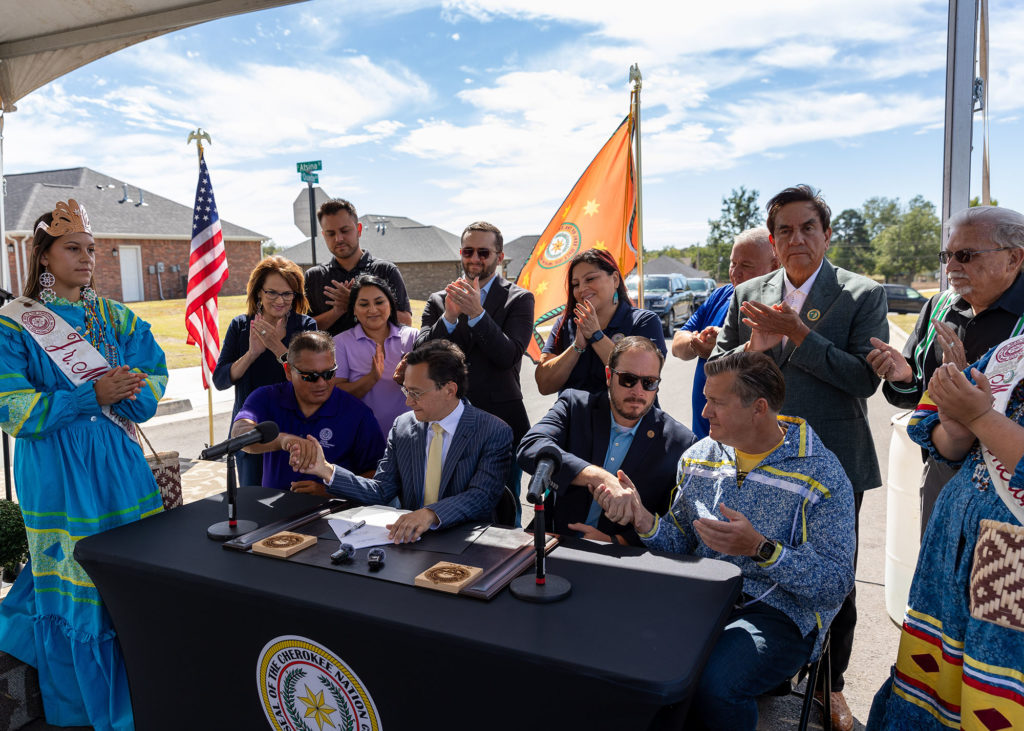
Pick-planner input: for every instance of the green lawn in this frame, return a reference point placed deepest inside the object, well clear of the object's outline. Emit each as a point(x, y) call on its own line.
point(167, 318)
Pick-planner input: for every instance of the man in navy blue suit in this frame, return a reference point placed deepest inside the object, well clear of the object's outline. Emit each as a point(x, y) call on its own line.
point(445, 460)
point(604, 435)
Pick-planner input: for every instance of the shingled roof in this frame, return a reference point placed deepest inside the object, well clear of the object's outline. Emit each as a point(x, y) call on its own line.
point(397, 239)
point(31, 194)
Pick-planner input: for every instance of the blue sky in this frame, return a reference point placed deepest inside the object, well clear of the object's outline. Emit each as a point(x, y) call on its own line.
point(490, 109)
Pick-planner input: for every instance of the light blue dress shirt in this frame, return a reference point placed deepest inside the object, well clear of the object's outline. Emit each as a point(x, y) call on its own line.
point(619, 440)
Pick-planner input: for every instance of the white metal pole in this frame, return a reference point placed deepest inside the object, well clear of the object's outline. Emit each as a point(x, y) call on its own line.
point(956, 163)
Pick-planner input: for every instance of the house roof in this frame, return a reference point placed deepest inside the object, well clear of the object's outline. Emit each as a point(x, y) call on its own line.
point(517, 251)
point(397, 239)
point(30, 194)
point(671, 265)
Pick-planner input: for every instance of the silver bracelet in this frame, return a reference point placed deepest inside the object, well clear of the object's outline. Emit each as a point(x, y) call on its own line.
point(578, 349)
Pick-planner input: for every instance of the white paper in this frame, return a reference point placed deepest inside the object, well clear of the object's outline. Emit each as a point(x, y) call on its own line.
point(373, 533)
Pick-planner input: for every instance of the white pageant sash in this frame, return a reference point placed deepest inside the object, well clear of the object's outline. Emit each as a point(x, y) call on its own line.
point(1004, 371)
point(74, 355)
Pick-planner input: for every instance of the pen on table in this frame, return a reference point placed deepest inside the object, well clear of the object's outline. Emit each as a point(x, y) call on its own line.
point(354, 528)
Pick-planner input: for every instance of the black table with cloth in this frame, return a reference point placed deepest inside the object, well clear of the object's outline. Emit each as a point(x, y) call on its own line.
point(624, 650)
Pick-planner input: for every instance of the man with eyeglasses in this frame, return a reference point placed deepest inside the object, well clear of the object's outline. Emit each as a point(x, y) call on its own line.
point(445, 460)
point(327, 285)
point(816, 321)
point(604, 436)
point(983, 306)
point(309, 410)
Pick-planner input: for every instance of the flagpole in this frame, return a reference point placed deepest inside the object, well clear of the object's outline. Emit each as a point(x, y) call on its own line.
point(637, 80)
point(199, 135)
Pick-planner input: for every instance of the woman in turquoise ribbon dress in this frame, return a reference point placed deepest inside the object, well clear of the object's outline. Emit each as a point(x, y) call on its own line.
point(77, 473)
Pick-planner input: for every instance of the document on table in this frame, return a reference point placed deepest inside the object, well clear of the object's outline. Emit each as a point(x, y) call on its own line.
point(373, 533)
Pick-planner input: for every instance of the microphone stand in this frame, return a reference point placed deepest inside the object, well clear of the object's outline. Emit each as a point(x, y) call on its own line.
point(542, 588)
point(232, 527)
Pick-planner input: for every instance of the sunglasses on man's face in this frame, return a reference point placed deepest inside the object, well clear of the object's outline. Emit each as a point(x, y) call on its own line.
point(628, 380)
point(484, 254)
point(314, 376)
point(964, 256)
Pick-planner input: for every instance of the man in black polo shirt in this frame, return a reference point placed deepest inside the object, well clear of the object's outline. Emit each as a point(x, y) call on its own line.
point(983, 306)
point(327, 285)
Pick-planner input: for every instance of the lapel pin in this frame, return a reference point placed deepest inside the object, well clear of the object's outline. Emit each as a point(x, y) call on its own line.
point(813, 315)
point(650, 433)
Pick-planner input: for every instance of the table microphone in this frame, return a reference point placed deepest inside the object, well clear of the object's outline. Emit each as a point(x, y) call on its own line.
point(265, 431)
point(549, 461)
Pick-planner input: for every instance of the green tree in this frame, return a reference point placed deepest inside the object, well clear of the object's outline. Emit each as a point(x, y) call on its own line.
point(851, 245)
point(269, 248)
point(740, 211)
point(909, 246)
point(976, 201)
point(879, 213)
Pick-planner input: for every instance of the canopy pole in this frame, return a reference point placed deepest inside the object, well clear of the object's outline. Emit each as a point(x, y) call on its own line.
point(637, 80)
point(5, 264)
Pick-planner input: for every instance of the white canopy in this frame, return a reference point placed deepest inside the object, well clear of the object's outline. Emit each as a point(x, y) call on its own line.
point(41, 40)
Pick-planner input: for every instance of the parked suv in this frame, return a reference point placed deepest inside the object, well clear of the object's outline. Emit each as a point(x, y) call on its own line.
point(667, 295)
point(702, 289)
point(902, 298)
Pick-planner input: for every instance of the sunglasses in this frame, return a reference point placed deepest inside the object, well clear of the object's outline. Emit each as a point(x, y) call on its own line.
point(484, 254)
point(628, 380)
point(964, 256)
point(314, 376)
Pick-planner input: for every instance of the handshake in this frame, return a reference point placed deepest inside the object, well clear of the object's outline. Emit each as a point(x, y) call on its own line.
point(620, 501)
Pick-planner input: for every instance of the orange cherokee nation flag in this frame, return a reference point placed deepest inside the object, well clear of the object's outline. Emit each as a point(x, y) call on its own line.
point(599, 213)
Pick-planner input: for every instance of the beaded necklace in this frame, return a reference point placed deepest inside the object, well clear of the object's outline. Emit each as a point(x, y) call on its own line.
point(95, 333)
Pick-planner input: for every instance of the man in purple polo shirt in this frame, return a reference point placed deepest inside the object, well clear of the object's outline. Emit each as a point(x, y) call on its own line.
point(307, 404)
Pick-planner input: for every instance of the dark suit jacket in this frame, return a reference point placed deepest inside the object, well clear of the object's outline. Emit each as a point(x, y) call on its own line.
point(828, 379)
point(493, 347)
point(579, 425)
point(472, 477)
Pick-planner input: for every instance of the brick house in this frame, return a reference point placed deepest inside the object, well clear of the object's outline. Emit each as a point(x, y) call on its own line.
point(142, 240)
point(427, 256)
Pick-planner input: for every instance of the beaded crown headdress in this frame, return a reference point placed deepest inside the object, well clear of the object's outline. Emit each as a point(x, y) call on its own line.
point(69, 217)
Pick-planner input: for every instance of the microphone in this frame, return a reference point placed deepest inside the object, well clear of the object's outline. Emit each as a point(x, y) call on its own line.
point(264, 432)
point(549, 461)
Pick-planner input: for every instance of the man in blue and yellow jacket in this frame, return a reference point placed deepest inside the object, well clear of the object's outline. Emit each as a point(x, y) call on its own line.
point(763, 493)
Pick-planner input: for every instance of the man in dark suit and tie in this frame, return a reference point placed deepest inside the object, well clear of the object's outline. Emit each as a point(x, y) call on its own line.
point(817, 321)
point(604, 435)
point(445, 460)
point(491, 320)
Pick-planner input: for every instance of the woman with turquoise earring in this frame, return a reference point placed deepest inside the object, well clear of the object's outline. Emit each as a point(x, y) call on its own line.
point(77, 373)
point(598, 314)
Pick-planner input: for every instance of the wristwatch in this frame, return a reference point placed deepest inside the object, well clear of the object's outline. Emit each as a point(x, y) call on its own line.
point(767, 549)
point(598, 334)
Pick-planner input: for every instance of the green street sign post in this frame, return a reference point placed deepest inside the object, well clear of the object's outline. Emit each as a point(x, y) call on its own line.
point(307, 171)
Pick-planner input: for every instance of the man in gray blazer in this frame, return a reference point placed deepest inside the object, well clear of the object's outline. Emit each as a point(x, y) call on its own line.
point(816, 321)
point(445, 460)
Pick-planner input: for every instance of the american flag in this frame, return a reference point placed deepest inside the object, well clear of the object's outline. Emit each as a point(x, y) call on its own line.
point(207, 271)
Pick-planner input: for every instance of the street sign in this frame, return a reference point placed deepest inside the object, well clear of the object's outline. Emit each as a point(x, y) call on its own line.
point(309, 167)
point(310, 178)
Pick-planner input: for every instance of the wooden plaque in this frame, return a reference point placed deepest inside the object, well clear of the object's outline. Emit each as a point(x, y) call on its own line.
point(283, 544)
point(447, 576)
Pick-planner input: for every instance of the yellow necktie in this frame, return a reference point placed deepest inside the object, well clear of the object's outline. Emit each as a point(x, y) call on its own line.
point(432, 481)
